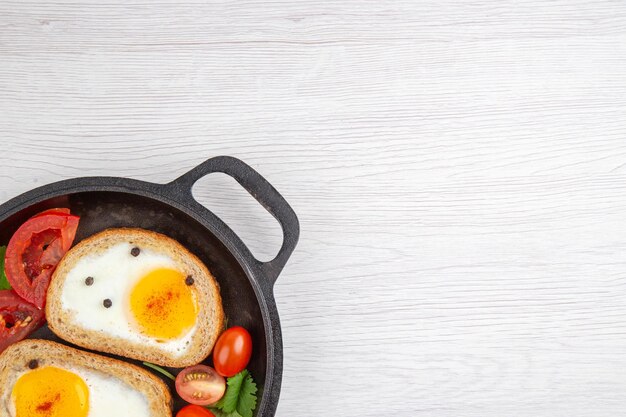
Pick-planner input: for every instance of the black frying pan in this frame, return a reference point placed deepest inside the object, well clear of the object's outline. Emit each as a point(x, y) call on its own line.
point(246, 283)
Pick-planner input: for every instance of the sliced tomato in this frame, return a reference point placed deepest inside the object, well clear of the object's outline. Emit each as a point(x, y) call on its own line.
point(18, 318)
point(200, 385)
point(57, 210)
point(34, 251)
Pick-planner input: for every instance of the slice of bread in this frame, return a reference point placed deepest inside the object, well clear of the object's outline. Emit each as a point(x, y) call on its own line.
point(63, 321)
point(20, 357)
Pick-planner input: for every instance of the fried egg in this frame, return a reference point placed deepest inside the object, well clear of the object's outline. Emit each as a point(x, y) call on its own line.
point(135, 294)
point(52, 391)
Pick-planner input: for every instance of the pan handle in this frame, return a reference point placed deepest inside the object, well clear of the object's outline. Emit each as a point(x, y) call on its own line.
point(263, 192)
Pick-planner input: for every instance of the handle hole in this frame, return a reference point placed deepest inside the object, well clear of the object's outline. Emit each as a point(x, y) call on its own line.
point(257, 228)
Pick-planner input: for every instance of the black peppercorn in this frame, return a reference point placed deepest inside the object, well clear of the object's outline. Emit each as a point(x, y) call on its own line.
point(33, 364)
point(107, 303)
point(89, 281)
point(135, 251)
point(189, 280)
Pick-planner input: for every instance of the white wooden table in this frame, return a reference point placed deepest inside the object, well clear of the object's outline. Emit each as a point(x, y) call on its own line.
point(459, 170)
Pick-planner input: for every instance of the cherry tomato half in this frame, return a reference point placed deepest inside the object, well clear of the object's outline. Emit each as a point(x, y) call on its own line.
point(232, 351)
point(17, 318)
point(194, 411)
point(200, 385)
point(34, 251)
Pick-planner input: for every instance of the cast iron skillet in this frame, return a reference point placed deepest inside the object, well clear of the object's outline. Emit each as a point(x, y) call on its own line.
point(246, 283)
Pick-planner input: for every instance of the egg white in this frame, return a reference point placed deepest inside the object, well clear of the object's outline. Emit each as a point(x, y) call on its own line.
point(115, 272)
point(108, 396)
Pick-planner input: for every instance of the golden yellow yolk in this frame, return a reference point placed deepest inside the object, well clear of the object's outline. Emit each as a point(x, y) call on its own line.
point(163, 305)
point(50, 392)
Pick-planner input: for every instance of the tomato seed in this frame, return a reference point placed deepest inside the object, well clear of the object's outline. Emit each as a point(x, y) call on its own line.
point(194, 376)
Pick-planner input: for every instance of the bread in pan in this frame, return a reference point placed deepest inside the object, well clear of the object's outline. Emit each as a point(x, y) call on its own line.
point(138, 294)
point(41, 378)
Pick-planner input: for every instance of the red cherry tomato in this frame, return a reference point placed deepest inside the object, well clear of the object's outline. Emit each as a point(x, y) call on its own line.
point(232, 351)
point(17, 318)
point(200, 385)
point(34, 251)
point(194, 411)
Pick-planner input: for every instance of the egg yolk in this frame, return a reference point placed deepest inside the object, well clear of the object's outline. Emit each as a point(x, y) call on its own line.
point(50, 392)
point(163, 305)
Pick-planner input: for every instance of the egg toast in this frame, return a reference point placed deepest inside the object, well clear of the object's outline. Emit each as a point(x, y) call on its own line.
point(138, 294)
point(44, 378)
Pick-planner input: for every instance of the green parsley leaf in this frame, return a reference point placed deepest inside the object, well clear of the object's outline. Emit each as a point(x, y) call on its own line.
point(228, 403)
point(4, 283)
point(240, 395)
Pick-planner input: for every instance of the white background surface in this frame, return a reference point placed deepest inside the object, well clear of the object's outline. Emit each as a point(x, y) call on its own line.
point(459, 170)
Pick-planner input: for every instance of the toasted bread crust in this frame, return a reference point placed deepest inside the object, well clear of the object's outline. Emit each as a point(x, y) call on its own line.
point(210, 317)
point(15, 359)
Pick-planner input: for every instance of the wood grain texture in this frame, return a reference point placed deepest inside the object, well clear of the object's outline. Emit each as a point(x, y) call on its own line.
point(459, 169)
